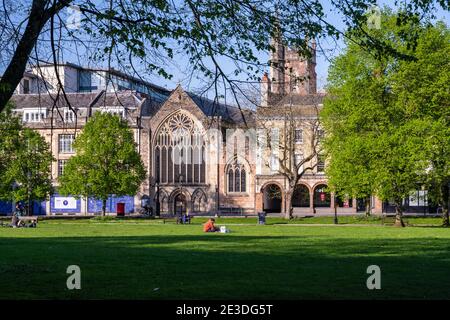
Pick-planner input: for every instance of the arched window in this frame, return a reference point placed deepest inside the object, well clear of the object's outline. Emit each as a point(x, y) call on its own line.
point(236, 176)
point(180, 151)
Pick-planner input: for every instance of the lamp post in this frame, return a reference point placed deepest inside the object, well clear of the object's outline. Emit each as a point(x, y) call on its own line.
point(181, 190)
point(335, 209)
point(157, 204)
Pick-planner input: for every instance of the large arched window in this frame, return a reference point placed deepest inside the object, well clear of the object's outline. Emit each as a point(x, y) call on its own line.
point(236, 177)
point(179, 154)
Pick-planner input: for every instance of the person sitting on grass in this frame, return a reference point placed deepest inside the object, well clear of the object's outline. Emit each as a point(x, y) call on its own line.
point(209, 226)
point(18, 212)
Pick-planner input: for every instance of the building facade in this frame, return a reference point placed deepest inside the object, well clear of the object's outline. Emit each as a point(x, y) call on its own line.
point(201, 156)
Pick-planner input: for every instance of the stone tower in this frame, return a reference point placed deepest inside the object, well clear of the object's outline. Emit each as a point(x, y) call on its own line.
point(289, 73)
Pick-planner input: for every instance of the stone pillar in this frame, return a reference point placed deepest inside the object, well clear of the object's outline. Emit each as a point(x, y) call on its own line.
point(332, 200)
point(355, 205)
point(258, 202)
point(311, 201)
point(378, 207)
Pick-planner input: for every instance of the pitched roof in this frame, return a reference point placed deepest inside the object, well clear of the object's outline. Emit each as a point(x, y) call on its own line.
point(228, 113)
point(128, 99)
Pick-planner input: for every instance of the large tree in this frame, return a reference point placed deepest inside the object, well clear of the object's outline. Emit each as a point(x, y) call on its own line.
point(25, 162)
point(375, 135)
point(423, 90)
point(106, 161)
point(207, 33)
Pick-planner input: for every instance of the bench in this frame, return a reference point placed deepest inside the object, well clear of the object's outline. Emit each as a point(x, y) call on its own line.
point(178, 219)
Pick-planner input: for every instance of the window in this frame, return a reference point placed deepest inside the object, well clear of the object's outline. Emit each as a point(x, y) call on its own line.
point(26, 86)
point(320, 163)
point(69, 115)
point(298, 135)
point(180, 151)
point(120, 111)
point(35, 115)
point(237, 179)
point(65, 143)
point(61, 165)
point(298, 157)
point(85, 81)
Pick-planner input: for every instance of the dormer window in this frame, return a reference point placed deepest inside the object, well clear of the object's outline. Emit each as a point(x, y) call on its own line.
point(34, 115)
point(120, 111)
point(69, 115)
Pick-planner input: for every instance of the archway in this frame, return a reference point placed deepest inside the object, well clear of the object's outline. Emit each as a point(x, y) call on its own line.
point(199, 201)
point(322, 198)
point(272, 197)
point(179, 203)
point(300, 197)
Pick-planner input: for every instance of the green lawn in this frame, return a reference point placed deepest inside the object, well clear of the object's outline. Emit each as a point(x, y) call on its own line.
point(151, 260)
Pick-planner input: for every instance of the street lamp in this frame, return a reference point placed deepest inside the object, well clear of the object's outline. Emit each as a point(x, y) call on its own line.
point(158, 205)
point(335, 210)
point(181, 189)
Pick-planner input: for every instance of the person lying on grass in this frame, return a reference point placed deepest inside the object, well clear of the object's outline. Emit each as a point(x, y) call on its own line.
point(209, 226)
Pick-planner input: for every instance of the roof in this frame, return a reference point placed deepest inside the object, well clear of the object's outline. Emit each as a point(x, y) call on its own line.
point(301, 105)
point(128, 99)
point(112, 71)
point(228, 113)
point(302, 100)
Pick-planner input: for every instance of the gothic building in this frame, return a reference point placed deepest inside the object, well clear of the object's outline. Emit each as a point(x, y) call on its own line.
point(201, 156)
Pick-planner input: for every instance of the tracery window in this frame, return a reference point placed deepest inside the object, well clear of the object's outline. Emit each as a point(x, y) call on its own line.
point(180, 151)
point(236, 177)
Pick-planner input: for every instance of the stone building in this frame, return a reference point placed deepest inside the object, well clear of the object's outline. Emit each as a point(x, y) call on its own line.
point(201, 156)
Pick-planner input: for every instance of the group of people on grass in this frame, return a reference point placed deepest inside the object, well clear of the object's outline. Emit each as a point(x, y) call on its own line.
point(19, 211)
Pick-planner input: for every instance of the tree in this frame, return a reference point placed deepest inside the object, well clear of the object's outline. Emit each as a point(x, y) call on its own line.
point(26, 162)
point(293, 160)
point(376, 142)
point(106, 161)
point(422, 87)
point(10, 127)
point(154, 31)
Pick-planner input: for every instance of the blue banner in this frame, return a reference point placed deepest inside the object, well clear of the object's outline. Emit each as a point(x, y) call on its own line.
point(95, 206)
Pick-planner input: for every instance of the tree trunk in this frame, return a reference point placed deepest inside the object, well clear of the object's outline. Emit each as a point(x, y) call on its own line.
point(288, 210)
point(445, 200)
point(104, 207)
point(398, 215)
point(14, 72)
point(367, 203)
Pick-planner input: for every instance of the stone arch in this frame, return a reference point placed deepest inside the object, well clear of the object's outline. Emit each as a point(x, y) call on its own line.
point(272, 197)
point(199, 201)
point(301, 196)
point(321, 197)
point(179, 201)
point(163, 200)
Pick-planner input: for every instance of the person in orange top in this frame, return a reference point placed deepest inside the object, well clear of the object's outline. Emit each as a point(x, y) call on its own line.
point(209, 226)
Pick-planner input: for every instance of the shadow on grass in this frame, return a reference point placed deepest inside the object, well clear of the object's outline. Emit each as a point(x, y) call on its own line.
point(223, 267)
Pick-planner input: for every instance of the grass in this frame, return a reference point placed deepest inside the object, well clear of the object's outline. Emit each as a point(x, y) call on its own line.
point(149, 260)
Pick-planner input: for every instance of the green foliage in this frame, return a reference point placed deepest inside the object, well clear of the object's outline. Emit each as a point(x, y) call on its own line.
point(387, 118)
point(106, 161)
point(25, 161)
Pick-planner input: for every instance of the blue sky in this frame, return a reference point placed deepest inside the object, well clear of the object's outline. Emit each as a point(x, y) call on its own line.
point(179, 66)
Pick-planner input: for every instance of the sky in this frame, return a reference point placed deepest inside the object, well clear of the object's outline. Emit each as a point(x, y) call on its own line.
point(330, 48)
point(179, 66)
